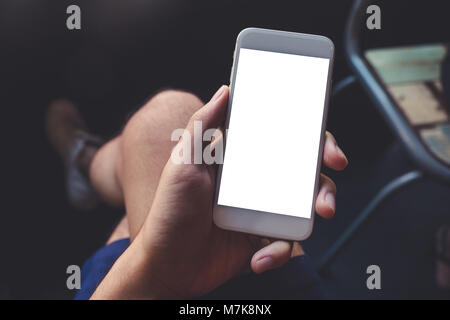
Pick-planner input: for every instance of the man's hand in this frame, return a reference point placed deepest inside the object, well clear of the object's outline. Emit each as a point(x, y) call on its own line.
point(179, 252)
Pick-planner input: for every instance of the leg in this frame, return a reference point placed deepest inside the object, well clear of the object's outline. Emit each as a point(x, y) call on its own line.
point(127, 169)
point(104, 170)
point(68, 134)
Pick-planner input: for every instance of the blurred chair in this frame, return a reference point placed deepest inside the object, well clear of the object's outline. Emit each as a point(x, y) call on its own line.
point(423, 133)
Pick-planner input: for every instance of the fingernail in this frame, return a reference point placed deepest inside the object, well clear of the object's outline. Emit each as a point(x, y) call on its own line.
point(218, 94)
point(330, 200)
point(341, 153)
point(265, 262)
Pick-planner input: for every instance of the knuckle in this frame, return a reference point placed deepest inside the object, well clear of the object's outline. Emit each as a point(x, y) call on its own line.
point(176, 99)
point(192, 176)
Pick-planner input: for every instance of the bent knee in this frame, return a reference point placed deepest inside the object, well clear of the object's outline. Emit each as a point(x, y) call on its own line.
point(160, 116)
point(176, 102)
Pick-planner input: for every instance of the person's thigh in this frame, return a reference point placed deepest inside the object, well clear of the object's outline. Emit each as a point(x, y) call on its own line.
point(145, 146)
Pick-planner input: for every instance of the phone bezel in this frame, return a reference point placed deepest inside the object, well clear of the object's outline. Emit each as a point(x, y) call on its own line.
point(262, 223)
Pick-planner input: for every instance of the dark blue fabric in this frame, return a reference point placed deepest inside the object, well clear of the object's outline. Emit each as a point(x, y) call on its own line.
point(297, 279)
point(97, 266)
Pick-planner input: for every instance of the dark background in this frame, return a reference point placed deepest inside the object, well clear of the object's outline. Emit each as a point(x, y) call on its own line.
point(128, 49)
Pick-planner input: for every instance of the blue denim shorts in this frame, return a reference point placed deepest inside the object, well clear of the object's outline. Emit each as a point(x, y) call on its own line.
point(297, 279)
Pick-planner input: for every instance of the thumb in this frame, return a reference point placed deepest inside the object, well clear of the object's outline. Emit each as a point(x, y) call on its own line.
point(209, 117)
point(212, 114)
point(272, 256)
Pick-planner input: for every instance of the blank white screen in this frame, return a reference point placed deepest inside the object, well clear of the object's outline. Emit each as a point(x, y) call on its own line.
point(274, 131)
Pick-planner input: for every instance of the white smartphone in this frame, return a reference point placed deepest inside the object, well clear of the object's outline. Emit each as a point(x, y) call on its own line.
point(268, 182)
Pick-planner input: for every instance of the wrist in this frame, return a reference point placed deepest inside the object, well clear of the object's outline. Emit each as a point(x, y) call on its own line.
point(151, 282)
point(131, 277)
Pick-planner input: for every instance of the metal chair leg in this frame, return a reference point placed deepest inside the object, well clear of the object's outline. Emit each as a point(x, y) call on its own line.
point(387, 191)
point(342, 84)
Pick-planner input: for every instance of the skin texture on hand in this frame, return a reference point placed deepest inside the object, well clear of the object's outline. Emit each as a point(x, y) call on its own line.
point(179, 252)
